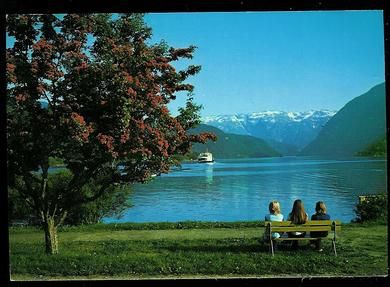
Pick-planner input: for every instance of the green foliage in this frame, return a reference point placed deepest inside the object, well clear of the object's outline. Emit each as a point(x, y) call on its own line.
point(375, 149)
point(112, 203)
point(373, 208)
point(359, 123)
point(55, 161)
point(18, 209)
point(189, 116)
point(232, 145)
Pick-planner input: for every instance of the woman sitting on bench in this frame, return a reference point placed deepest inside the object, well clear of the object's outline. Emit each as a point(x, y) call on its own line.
point(319, 215)
point(274, 215)
point(297, 216)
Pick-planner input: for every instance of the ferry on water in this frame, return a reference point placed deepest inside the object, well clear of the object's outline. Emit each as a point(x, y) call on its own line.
point(205, 157)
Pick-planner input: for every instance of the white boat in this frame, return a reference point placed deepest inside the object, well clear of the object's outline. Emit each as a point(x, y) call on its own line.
point(205, 157)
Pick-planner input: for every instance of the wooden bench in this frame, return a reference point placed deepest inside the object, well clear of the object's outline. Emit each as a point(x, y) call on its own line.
point(331, 226)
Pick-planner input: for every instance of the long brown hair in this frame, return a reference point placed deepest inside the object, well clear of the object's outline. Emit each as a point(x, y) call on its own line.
point(298, 214)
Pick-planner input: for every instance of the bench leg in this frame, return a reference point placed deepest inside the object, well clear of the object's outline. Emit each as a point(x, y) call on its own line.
point(334, 247)
point(272, 247)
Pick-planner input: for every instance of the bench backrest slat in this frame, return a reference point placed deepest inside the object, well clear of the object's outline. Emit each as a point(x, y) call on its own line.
point(314, 225)
point(308, 223)
point(304, 228)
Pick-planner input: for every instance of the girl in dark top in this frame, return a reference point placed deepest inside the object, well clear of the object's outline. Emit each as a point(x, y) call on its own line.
point(297, 216)
point(319, 215)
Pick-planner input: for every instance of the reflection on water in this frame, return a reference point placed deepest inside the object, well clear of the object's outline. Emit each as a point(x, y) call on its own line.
point(209, 173)
point(231, 190)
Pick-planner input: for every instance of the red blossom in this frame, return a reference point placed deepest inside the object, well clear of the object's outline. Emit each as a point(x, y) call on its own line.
point(90, 129)
point(146, 152)
point(77, 44)
point(40, 88)
point(162, 59)
point(42, 45)
point(136, 81)
point(10, 68)
point(82, 66)
point(131, 92)
point(106, 140)
point(150, 76)
point(78, 118)
point(84, 136)
point(164, 110)
point(125, 136)
point(34, 67)
point(141, 125)
point(20, 98)
point(129, 79)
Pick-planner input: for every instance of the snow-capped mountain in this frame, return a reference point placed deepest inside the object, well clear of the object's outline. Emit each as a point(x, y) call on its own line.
point(277, 127)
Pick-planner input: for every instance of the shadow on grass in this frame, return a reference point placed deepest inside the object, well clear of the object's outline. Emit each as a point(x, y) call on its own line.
point(247, 247)
point(236, 248)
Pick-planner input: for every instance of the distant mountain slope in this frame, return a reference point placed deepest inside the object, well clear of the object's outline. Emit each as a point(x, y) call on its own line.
point(359, 123)
point(232, 145)
point(283, 148)
point(287, 132)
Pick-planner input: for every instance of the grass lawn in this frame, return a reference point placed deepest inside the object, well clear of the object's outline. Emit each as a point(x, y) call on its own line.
point(190, 250)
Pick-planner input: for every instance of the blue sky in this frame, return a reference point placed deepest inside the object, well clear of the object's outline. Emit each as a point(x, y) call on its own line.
point(291, 61)
point(287, 61)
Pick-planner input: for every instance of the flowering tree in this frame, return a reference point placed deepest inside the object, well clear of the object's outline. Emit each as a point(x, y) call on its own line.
point(107, 92)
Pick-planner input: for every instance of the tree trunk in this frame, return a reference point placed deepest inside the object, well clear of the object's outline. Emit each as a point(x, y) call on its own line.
point(51, 240)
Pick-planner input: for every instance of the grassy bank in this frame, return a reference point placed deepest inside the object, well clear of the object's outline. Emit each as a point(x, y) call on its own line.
point(190, 249)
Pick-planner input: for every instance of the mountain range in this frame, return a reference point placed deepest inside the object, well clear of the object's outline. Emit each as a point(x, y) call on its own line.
point(287, 132)
point(358, 126)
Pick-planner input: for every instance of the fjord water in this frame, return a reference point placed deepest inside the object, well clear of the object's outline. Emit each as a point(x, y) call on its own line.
point(241, 189)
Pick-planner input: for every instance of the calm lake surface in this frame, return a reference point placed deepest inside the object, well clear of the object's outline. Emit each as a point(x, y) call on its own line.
point(241, 189)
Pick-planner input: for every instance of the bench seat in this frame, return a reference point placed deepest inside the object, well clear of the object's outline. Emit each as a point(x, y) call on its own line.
point(283, 227)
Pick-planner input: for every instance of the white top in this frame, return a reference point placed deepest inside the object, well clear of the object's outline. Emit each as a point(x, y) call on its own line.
point(274, 217)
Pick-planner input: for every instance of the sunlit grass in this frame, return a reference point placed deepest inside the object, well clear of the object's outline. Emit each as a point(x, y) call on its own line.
point(234, 251)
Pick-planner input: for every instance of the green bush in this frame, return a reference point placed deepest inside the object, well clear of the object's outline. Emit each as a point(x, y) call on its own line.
point(18, 209)
point(376, 149)
point(373, 208)
point(112, 203)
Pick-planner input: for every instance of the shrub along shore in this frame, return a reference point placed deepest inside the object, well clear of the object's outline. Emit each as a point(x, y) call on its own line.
point(191, 250)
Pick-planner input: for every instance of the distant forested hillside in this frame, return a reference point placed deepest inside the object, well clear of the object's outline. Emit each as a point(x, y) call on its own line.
point(358, 124)
point(377, 148)
point(232, 145)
